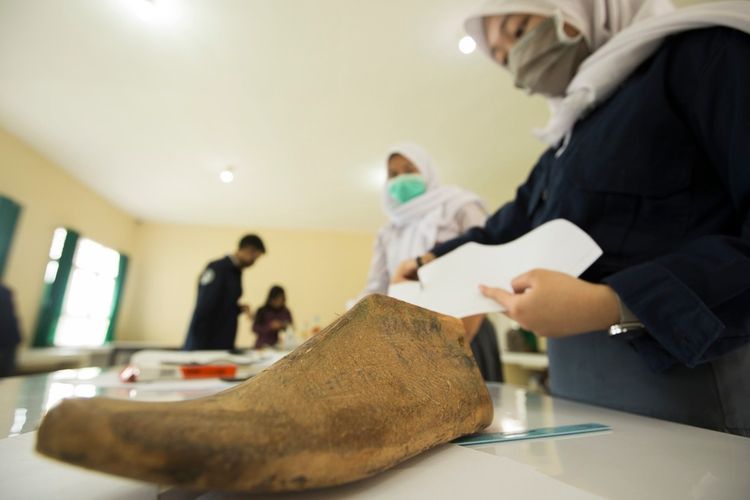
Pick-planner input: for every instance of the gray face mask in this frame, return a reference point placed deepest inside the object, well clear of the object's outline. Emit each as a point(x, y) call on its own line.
point(545, 60)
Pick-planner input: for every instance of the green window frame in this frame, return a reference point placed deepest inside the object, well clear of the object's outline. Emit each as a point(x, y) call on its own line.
point(60, 268)
point(9, 213)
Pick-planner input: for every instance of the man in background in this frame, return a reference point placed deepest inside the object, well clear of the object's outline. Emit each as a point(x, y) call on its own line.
point(10, 333)
point(214, 322)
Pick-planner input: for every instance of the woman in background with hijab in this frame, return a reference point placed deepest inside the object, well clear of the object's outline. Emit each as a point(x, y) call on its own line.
point(649, 153)
point(422, 213)
point(272, 318)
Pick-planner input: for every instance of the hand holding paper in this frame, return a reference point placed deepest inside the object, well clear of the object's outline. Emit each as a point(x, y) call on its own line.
point(450, 284)
point(555, 304)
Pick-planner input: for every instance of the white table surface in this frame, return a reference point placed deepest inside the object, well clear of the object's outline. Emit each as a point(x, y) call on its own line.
point(640, 458)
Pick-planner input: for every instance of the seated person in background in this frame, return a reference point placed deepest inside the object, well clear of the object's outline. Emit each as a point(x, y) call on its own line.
point(10, 334)
point(271, 318)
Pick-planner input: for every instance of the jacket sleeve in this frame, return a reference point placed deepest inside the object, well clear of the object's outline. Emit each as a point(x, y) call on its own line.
point(210, 287)
point(508, 223)
point(695, 301)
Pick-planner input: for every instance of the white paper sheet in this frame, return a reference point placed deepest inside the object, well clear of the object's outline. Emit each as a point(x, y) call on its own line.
point(450, 284)
point(157, 357)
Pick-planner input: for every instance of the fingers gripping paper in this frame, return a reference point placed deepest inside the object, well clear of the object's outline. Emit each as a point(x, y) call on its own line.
point(450, 284)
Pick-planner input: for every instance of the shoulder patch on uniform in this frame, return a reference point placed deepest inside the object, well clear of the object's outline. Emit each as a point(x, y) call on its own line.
point(207, 277)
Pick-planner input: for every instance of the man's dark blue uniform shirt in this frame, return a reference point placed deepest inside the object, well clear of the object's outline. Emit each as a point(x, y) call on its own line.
point(214, 321)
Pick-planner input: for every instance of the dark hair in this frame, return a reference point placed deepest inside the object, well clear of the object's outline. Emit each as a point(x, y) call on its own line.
point(274, 292)
point(252, 240)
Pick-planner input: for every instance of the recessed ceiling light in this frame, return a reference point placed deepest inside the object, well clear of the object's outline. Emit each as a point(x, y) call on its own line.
point(467, 45)
point(227, 175)
point(156, 12)
point(145, 9)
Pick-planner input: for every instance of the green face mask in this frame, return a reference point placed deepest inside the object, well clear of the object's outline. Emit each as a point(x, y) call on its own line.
point(406, 187)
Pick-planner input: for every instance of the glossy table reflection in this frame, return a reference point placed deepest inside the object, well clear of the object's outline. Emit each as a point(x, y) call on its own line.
point(640, 457)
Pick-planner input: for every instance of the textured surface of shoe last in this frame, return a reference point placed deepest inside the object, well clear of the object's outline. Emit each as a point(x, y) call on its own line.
point(381, 384)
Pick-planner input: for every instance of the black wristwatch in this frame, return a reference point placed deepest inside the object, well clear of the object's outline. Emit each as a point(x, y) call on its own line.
point(419, 262)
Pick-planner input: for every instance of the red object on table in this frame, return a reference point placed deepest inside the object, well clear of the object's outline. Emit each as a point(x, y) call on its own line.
point(208, 371)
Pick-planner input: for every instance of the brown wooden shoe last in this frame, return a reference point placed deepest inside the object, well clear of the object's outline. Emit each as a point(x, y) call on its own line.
point(381, 384)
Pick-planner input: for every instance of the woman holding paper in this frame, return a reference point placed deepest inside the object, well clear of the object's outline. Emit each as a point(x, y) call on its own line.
point(422, 213)
point(649, 153)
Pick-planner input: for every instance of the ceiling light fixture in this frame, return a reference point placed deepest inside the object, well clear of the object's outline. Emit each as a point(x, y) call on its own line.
point(145, 9)
point(467, 45)
point(376, 175)
point(227, 175)
point(154, 12)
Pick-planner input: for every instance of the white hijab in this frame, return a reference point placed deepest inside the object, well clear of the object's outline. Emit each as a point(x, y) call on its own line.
point(414, 225)
point(621, 34)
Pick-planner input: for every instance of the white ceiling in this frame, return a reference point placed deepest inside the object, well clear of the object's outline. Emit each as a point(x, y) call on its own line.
point(302, 97)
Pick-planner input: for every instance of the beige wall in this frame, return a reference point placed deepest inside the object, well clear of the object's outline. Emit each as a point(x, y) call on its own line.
point(319, 270)
point(50, 198)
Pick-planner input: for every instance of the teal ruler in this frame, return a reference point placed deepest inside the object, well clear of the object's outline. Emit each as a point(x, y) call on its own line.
point(543, 432)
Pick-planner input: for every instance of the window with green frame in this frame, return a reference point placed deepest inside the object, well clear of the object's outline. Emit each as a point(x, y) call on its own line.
point(83, 284)
point(9, 212)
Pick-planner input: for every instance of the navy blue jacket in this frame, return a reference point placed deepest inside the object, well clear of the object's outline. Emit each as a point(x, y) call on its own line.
point(214, 322)
point(659, 176)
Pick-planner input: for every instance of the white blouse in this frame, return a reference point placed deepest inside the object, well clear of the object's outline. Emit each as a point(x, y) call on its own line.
point(386, 253)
